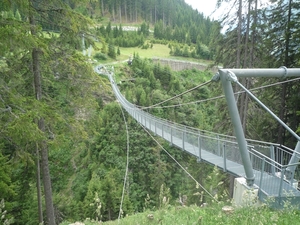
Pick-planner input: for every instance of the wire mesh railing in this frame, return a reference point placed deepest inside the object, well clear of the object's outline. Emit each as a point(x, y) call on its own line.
point(269, 160)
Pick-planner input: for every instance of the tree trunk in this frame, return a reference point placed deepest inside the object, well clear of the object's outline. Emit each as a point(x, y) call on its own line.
point(282, 113)
point(113, 13)
point(136, 11)
point(239, 31)
point(163, 15)
point(38, 186)
point(151, 14)
point(120, 12)
point(125, 8)
point(41, 125)
point(251, 62)
point(102, 8)
point(281, 132)
point(43, 146)
point(155, 14)
point(246, 101)
point(247, 36)
point(244, 96)
point(109, 214)
point(231, 185)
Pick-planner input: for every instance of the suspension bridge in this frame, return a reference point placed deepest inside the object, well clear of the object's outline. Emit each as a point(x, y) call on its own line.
point(267, 167)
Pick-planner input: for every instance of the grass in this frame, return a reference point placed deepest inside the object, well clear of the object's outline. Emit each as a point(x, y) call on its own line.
point(158, 50)
point(211, 215)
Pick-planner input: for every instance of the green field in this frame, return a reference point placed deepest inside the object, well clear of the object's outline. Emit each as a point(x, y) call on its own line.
point(158, 50)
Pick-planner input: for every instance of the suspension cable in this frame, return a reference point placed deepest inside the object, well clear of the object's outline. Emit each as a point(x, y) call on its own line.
point(179, 164)
point(127, 163)
point(222, 96)
point(176, 96)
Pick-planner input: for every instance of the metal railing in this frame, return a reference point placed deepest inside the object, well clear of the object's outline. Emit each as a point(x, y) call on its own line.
point(269, 160)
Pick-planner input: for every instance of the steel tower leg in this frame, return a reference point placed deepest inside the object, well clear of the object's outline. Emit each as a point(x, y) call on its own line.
point(295, 159)
point(237, 126)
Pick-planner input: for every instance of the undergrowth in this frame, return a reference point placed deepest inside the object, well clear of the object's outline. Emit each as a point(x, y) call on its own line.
point(210, 215)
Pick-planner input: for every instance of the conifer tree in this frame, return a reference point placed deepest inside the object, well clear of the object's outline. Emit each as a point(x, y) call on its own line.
point(111, 50)
point(29, 58)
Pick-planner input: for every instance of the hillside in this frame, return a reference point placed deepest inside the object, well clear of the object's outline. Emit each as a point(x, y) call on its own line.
point(213, 214)
point(64, 139)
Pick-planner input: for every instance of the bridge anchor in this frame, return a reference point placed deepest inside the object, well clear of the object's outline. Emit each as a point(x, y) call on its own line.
point(244, 195)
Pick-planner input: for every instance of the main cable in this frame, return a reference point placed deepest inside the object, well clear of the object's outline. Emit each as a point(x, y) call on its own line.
point(127, 165)
point(179, 164)
point(222, 96)
point(176, 96)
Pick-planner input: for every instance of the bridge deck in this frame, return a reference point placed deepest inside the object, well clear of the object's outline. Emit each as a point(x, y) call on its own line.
point(272, 183)
point(222, 152)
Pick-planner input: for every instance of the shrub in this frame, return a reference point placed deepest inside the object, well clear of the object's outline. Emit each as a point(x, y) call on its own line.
point(100, 56)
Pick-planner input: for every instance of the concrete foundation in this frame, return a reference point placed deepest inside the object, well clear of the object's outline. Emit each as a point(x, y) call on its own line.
point(243, 195)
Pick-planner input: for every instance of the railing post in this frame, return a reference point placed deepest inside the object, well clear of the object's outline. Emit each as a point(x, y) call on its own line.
point(162, 130)
point(171, 135)
point(272, 156)
point(224, 157)
point(219, 147)
point(183, 139)
point(280, 185)
point(199, 147)
point(155, 127)
point(262, 172)
point(281, 155)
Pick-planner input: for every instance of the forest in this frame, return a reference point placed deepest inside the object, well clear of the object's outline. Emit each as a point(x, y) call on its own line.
point(62, 134)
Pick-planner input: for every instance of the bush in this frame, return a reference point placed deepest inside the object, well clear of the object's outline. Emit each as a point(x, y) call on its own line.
point(100, 56)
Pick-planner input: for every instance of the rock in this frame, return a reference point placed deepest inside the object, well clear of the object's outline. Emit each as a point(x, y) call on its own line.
point(150, 216)
point(227, 209)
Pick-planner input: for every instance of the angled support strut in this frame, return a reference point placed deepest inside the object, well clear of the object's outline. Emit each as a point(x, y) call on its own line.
point(226, 78)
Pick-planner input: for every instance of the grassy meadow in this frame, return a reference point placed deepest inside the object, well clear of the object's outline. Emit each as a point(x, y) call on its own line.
point(158, 50)
point(210, 215)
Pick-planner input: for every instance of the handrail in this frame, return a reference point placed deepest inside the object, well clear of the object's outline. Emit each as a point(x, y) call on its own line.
point(188, 128)
point(293, 164)
point(269, 159)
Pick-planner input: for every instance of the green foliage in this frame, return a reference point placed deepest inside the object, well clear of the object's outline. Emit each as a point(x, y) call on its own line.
point(3, 215)
point(130, 39)
point(111, 51)
point(144, 29)
point(212, 214)
point(100, 56)
point(199, 51)
point(6, 186)
point(85, 132)
point(121, 38)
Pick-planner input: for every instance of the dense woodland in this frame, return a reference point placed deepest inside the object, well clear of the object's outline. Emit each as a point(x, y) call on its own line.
point(62, 135)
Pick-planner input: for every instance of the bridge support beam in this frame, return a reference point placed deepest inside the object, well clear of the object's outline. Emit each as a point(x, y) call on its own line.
point(237, 126)
point(289, 172)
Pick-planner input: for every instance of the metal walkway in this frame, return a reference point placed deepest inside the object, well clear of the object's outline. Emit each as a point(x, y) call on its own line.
point(269, 160)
